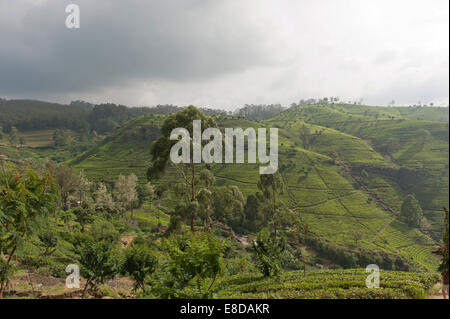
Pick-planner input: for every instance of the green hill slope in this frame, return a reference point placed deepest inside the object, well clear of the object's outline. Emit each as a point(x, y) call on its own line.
point(418, 149)
point(341, 284)
point(322, 175)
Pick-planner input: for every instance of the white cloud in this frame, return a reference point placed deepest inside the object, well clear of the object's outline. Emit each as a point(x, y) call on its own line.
point(226, 53)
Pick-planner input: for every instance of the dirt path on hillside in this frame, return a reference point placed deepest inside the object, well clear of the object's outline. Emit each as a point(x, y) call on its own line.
point(326, 201)
point(127, 239)
point(381, 230)
point(243, 239)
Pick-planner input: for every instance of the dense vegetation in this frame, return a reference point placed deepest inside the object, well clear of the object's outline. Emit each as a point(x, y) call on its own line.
point(329, 284)
point(79, 116)
point(356, 185)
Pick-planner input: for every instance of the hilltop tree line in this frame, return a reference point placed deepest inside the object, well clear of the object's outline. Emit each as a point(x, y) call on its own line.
point(84, 117)
point(79, 116)
point(259, 112)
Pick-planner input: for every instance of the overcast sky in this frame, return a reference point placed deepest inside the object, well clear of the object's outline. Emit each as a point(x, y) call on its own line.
point(226, 53)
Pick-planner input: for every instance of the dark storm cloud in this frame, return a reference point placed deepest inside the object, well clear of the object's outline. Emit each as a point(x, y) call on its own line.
point(121, 41)
point(224, 53)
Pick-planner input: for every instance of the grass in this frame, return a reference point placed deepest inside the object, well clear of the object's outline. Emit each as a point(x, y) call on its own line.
point(328, 284)
point(394, 138)
point(148, 217)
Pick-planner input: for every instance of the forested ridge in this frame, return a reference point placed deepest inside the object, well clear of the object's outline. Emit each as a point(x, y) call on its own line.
point(79, 116)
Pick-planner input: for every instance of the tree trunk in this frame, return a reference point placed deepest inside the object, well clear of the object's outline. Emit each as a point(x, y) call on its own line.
point(85, 288)
point(3, 285)
point(274, 213)
point(192, 193)
point(193, 182)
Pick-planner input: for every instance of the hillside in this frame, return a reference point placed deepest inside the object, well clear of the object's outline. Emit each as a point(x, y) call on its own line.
point(328, 284)
point(418, 151)
point(323, 152)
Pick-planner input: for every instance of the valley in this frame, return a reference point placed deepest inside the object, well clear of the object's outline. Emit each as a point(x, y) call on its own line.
point(345, 172)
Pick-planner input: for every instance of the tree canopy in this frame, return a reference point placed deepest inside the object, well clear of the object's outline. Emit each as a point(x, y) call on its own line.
point(411, 211)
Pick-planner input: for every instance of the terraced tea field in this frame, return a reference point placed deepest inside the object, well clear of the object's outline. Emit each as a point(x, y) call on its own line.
point(322, 176)
point(329, 284)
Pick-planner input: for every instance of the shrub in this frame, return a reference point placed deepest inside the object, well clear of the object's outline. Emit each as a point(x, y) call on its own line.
point(268, 249)
point(194, 259)
point(103, 230)
point(99, 262)
point(411, 211)
point(139, 262)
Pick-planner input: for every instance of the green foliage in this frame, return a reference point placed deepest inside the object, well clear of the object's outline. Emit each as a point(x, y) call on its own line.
point(357, 236)
point(318, 190)
point(306, 137)
point(268, 249)
point(145, 193)
point(103, 230)
point(364, 176)
point(251, 212)
point(443, 250)
point(228, 205)
point(207, 177)
point(161, 147)
point(6, 273)
point(323, 191)
point(328, 284)
point(411, 211)
point(99, 260)
point(270, 185)
point(194, 262)
point(49, 241)
point(14, 135)
point(83, 215)
point(175, 224)
point(139, 263)
point(22, 200)
point(60, 138)
point(66, 179)
point(79, 116)
point(161, 152)
point(445, 238)
point(259, 112)
point(338, 182)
